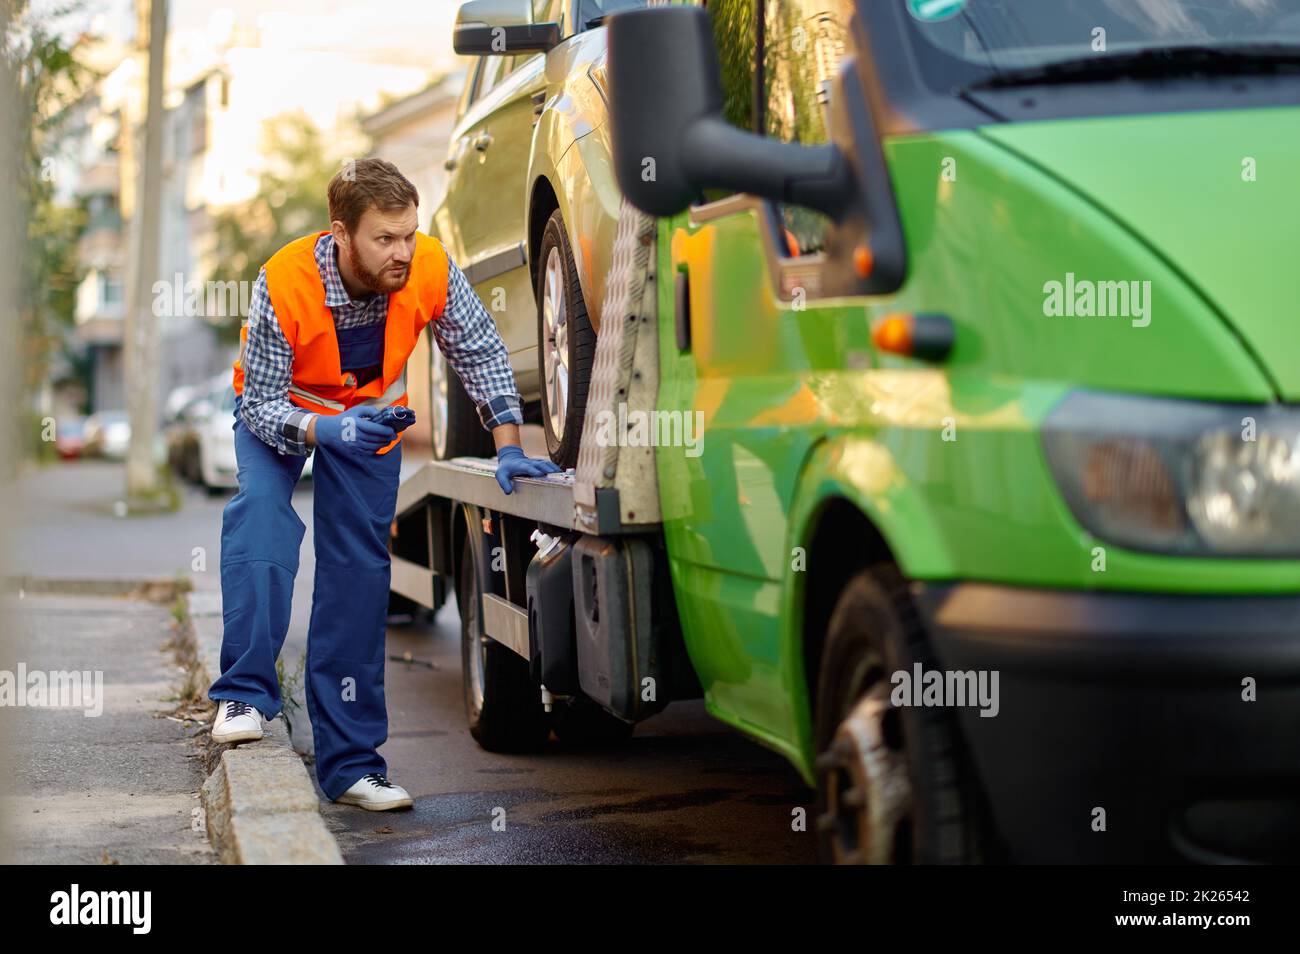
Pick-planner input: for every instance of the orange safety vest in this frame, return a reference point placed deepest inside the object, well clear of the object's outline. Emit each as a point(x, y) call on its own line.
point(298, 297)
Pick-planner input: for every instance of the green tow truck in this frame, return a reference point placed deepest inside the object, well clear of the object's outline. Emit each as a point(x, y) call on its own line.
point(944, 428)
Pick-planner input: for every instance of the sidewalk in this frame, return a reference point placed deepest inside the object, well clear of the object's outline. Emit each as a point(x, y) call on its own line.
point(117, 787)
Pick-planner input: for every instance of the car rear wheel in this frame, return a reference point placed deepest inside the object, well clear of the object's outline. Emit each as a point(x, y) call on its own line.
point(566, 344)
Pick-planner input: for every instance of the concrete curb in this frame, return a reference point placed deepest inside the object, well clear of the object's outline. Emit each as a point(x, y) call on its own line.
point(158, 589)
point(261, 805)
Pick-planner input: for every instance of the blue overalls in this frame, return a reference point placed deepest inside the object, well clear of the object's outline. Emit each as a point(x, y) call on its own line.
point(355, 497)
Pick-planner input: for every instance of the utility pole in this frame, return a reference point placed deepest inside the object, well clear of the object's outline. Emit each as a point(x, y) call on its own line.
point(140, 332)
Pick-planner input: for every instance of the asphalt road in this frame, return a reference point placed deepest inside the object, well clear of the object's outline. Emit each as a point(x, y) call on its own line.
point(684, 789)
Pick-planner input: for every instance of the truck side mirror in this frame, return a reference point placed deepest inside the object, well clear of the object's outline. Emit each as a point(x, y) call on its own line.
point(501, 28)
point(670, 141)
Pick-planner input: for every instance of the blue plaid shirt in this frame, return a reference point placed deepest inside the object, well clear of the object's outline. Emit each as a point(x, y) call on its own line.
point(466, 335)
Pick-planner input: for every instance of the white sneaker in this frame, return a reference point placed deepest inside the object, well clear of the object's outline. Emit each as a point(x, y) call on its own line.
point(236, 722)
point(376, 793)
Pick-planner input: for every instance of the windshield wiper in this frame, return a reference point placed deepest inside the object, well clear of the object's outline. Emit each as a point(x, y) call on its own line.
point(1156, 61)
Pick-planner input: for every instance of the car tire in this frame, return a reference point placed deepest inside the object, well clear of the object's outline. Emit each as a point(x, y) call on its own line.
point(566, 344)
point(895, 785)
point(455, 428)
point(193, 473)
point(502, 705)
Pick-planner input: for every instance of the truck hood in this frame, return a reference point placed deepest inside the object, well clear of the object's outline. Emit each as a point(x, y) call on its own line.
point(1214, 193)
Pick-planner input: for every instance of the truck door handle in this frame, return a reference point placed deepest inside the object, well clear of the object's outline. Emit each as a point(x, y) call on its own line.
point(482, 141)
point(682, 294)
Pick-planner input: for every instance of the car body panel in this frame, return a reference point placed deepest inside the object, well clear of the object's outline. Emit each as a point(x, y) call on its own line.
point(589, 202)
point(482, 219)
point(545, 120)
point(1179, 178)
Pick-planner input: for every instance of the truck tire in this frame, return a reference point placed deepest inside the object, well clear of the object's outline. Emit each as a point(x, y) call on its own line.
point(566, 344)
point(454, 427)
point(503, 706)
point(894, 783)
point(581, 722)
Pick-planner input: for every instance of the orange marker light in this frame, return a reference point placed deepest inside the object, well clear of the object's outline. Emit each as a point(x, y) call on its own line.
point(893, 333)
point(863, 261)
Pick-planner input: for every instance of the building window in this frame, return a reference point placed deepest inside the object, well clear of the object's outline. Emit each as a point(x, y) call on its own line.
point(110, 290)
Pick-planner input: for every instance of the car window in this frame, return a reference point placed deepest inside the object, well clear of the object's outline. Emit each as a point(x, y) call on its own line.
point(589, 11)
point(189, 411)
point(491, 71)
point(804, 42)
point(467, 94)
point(494, 69)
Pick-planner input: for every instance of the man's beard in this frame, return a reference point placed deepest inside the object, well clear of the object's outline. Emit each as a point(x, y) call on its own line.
point(381, 283)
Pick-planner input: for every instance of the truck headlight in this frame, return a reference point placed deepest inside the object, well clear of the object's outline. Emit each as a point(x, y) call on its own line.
point(1176, 476)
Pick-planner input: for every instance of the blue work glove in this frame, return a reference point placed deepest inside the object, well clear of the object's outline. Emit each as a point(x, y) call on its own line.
point(353, 431)
point(397, 416)
point(512, 463)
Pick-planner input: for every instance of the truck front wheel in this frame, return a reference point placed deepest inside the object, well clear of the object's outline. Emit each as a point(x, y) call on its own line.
point(894, 786)
point(502, 704)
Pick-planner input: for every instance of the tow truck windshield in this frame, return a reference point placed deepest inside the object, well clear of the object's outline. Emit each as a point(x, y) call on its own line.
point(1005, 42)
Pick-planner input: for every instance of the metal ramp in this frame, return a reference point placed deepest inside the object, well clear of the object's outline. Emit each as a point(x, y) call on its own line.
point(473, 480)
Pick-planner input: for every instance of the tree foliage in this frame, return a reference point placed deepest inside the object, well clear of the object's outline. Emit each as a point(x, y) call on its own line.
point(733, 30)
point(290, 202)
point(50, 79)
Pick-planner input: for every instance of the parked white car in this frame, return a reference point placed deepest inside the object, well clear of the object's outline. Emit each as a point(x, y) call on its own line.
point(212, 422)
point(108, 434)
point(216, 441)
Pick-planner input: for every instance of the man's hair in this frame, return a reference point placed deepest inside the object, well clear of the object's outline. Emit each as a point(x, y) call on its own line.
point(368, 183)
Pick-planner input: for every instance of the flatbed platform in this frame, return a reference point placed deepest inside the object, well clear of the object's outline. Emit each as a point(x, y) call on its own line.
point(473, 480)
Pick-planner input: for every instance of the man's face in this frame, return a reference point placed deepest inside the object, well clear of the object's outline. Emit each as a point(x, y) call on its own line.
point(380, 251)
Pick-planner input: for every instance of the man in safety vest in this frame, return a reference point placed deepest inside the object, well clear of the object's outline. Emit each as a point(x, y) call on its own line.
point(333, 319)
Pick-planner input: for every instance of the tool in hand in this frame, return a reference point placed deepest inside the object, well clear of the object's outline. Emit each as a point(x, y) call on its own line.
point(396, 416)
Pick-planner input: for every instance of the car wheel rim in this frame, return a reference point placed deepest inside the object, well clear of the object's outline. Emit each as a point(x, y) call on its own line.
point(478, 650)
point(555, 344)
point(868, 792)
point(438, 402)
